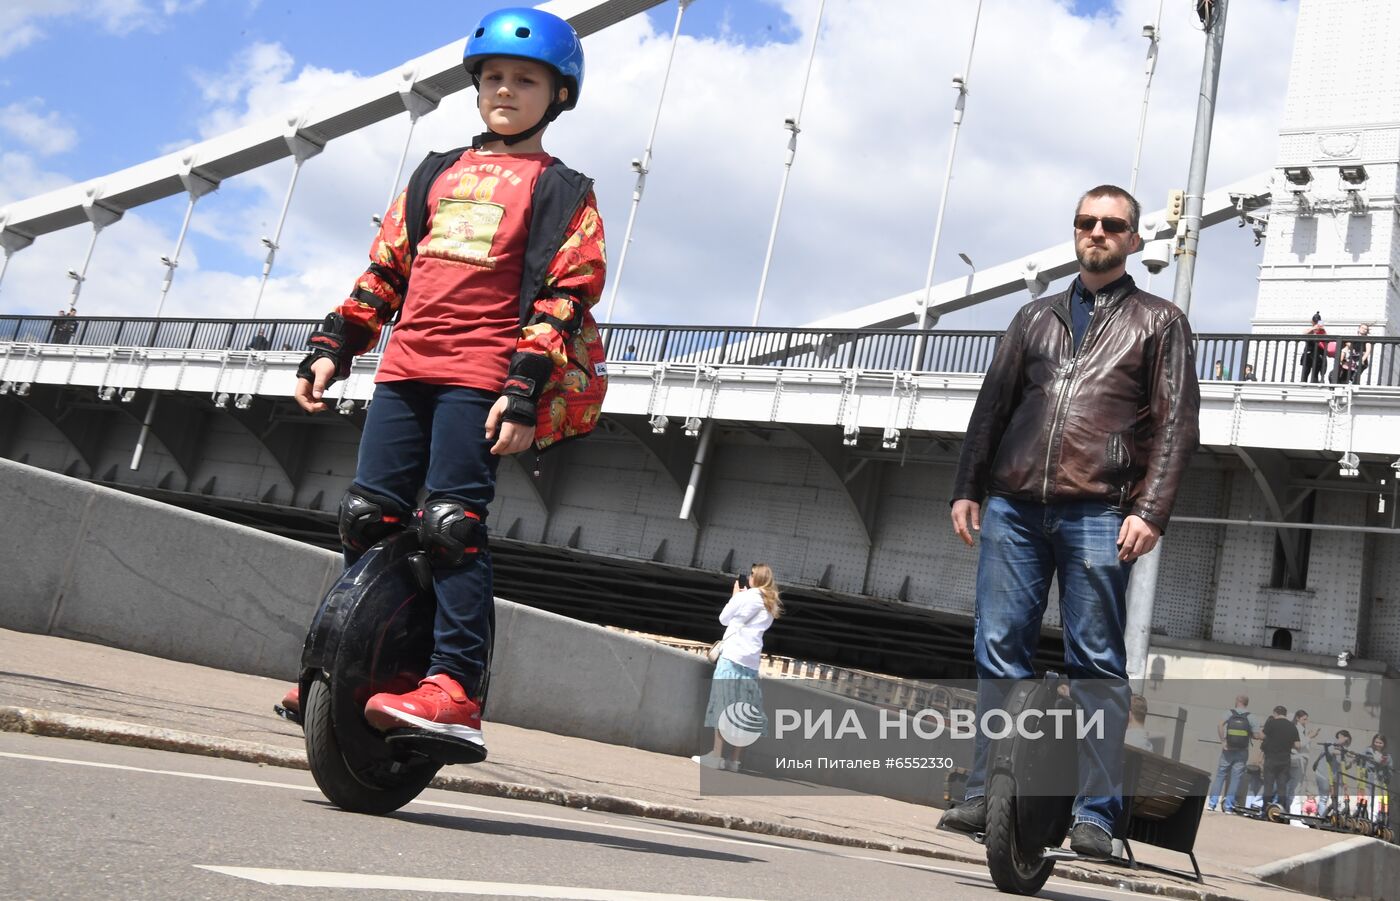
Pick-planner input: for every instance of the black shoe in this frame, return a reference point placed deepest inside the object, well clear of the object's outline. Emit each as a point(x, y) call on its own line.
point(1088, 840)
point(969, 817)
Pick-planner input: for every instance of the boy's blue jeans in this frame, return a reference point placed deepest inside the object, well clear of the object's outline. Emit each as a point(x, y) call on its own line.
point(431, 437)
point(1023, 545)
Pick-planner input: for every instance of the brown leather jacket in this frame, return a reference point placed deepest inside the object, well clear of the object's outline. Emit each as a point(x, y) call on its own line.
point(1116, 422)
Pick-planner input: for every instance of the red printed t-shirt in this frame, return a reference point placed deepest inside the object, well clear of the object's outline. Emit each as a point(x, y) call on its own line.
point(461, 317)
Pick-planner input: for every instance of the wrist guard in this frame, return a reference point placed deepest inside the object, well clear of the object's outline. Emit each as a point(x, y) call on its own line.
point(524, 384)
point(338, 341)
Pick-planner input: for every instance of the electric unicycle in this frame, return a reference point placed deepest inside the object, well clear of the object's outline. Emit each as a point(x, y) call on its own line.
point(373, 632)
point(1026, 824)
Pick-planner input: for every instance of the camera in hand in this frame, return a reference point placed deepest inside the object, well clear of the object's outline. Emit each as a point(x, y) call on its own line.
point(743, 580)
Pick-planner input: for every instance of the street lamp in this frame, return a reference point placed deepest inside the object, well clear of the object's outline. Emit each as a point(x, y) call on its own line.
point(972, 271)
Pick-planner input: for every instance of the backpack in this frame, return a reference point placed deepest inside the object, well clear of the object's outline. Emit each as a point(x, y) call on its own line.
point(1237, 731)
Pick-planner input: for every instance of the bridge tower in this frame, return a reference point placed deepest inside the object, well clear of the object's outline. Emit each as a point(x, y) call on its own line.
point(1333, 242)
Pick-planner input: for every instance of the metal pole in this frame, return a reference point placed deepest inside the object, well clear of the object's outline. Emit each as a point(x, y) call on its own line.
point(960, 84)
point(643, 165)
point(1189, 228)
point(1142, 589)
point(172, 261)
point(274, 242)
point(1142, 584)
point(80, 276)
point(707, 435)
point(398, 172)
point(4, 266)
point(145, 431)
point(793, 125)
point(1153, 39)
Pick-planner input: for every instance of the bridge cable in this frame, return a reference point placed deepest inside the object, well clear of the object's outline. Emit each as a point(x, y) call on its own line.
point(960, 85)
point(794, 126)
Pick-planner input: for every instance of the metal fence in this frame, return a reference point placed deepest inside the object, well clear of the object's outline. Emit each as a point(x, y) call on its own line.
point(1263, 358)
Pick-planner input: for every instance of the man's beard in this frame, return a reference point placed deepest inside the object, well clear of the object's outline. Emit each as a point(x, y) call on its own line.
point(1103, 261)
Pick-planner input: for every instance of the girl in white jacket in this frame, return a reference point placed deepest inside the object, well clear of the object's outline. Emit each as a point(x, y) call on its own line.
point(747, 616)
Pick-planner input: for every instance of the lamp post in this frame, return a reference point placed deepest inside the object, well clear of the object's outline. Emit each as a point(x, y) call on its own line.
point(1153, 33)
point(972, 271)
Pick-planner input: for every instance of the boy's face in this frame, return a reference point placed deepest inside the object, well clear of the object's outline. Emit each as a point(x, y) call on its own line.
point(514, 94)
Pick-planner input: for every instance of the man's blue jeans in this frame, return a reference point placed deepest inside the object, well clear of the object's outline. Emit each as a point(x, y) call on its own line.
point(1023, 545)
point(431, 437)
point(1229, 773)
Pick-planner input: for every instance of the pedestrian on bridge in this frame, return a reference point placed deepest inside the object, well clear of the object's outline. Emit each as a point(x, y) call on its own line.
point(490, 261)
point(1077, 444)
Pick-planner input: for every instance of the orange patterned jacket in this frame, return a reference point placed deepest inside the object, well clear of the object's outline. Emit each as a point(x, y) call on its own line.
point(563, 278)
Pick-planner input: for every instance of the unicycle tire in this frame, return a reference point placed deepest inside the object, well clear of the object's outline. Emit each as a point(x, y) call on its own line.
point(1016, 870)
point(384, 793)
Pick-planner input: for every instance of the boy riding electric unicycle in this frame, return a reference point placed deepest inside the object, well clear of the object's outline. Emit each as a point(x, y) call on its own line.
point(373, 633)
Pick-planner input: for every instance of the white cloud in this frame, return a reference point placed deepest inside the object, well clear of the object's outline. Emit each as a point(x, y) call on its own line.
point(1053, 109)
point(44, 133)
point(20, 20)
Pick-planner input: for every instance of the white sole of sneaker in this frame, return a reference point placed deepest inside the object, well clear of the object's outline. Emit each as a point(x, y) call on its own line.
point(465, 733)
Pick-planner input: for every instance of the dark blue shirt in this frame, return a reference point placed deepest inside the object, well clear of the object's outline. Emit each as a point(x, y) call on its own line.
point(1081, 310)
point(1081, 306)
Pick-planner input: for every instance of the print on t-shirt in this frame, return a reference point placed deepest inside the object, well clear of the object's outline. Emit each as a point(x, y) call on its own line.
point(463, 230)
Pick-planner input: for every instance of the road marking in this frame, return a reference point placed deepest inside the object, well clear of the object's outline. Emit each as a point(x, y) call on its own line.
point(314, 879)
point(598, 823)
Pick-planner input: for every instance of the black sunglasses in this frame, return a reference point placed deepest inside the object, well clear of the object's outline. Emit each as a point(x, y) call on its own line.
point(1111, 225)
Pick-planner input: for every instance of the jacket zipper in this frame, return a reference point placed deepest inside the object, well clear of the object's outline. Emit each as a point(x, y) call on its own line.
point(1056, 423)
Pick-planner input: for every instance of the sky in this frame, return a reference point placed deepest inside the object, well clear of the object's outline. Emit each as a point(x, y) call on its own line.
point(88, 88)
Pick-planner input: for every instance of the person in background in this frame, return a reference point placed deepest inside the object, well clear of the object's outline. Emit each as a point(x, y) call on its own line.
point(1331, 767)
point(1298, 762)
point(1314, 357)
point(1249, 373)
point(753, 605)
point(1235, 731)
point(1353, 357)
point(1136, 734)
point(259, 341)
point(1280, 740)
point(1220, 373)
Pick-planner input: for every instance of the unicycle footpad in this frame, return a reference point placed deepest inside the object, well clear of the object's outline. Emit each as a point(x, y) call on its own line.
point(439, 748)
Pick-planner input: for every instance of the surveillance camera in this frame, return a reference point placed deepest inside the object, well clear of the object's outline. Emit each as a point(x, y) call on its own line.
point(1149, 31)
point(959, 82)
point(1157, 255)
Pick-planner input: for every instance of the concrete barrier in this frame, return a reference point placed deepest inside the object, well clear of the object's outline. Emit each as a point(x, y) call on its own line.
point(91, 563)
point(1354, 870)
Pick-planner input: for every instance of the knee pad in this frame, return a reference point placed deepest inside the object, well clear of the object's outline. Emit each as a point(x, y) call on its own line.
point(366, 519)
point(451, 534)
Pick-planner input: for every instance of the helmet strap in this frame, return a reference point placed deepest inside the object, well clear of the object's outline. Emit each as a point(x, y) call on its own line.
point(489, 137)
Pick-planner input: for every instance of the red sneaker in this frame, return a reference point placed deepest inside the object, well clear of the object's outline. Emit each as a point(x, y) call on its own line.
point(438, 704)
point(290, 708)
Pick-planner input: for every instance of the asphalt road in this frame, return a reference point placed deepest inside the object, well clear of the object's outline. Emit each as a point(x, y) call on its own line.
point(84, 820)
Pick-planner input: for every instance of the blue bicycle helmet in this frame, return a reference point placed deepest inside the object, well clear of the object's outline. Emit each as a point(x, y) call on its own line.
point(531, 34)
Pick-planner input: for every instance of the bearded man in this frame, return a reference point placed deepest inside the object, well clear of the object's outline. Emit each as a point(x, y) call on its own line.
point(1083, 428)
